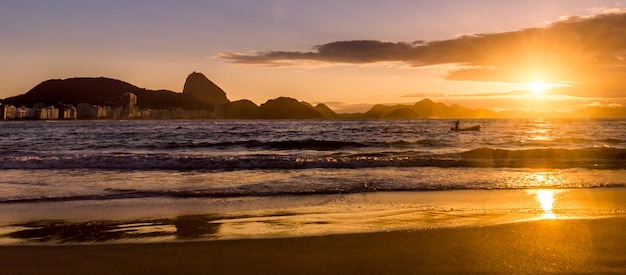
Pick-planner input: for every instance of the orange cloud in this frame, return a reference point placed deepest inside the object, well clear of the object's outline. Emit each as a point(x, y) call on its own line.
point(586, 53)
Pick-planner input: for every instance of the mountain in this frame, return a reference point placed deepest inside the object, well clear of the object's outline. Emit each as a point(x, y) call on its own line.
point(425, 109)
point(605, 112)
point(287, 108)
point(102, 91)
point(199, 93)
point(240, 109)
point(326, 111)
point(402, 113)
point(200, 87)
point(280, 108)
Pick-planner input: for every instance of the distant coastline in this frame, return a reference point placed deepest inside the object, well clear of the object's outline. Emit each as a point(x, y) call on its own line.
point(105, 98)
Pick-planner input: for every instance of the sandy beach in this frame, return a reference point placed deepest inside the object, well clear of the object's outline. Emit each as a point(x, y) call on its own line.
point(561, 245)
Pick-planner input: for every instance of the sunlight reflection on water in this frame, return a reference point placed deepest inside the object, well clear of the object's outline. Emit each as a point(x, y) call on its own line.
point(544, 179)
point(540, 130)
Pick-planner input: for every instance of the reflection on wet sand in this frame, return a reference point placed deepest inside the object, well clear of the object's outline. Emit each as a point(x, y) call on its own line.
point(545, 197)
point(546, 200)
point(182, 228)
point(325, 215)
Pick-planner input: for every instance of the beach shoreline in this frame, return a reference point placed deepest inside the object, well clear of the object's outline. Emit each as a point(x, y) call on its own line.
point(461, 231)
point(550, 245)
point(169, 220)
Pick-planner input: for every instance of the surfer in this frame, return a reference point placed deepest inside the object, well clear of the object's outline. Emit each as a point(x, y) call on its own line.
point(457, 125)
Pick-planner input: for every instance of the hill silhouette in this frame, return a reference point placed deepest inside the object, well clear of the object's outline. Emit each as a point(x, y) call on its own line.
point(102, 91)
point(326, 111)
point(240, 109)
point(200, 87)
point(611, 112)
point(199, 93)
point(287, 108)
point(425, 108)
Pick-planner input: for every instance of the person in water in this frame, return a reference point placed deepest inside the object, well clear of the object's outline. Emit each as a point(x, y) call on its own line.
point(457, 125)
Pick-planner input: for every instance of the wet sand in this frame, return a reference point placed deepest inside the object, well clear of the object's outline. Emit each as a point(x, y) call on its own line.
point(568, 245)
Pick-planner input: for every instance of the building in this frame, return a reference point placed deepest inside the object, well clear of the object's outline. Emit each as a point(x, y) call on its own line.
point(70, 112)
point(48, 113)
point(129, 105)
point(96, 111)
point(23, 112)
point(9, 112)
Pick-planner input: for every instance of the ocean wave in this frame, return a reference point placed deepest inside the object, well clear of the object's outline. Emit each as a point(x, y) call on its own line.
point(600, 153)
point(614, 140)
point(594, 158)
point(284, 145)
point(265, 190)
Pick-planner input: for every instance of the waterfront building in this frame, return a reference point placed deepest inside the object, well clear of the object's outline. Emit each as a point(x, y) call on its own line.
point(9, 112)
point(129, 105)
point(48, 113)
point(23, 112)
point(70, 112)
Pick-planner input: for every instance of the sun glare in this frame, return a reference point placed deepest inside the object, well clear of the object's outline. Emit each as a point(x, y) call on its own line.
point(546, 200)
point(537, 87)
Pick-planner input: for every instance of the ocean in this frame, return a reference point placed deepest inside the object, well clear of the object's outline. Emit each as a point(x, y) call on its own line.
point(154, 181)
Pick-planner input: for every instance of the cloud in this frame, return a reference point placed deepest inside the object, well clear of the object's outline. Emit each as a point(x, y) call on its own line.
point(586, 53)
point(468, 95)
point(356, 52)
point(426, 95)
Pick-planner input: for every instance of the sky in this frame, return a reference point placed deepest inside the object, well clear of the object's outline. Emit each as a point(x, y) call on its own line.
point(527, 55)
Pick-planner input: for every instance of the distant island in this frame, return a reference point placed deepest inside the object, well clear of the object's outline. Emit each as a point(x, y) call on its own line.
point(105, 98)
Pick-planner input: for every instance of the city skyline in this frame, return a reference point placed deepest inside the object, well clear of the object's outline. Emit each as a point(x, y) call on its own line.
point(346, 54)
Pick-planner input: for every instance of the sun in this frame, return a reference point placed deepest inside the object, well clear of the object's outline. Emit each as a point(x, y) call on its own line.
point(537, 87)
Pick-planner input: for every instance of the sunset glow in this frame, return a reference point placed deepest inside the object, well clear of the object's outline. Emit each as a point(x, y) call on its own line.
point(537, 87)
point(259, 50)
point(315, 137)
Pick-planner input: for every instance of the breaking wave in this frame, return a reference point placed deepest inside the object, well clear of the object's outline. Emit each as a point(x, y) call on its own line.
point(593, 158)
point(368, 183)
